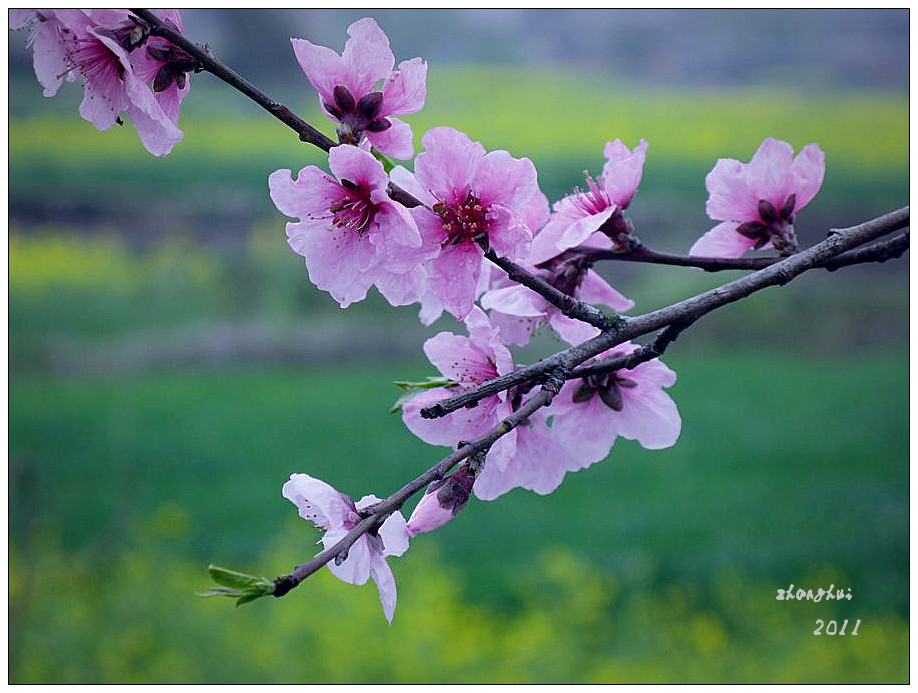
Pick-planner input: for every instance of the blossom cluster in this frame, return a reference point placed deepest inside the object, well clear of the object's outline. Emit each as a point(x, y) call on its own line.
point(355, 231)
point(124, 70)
point(471, 202)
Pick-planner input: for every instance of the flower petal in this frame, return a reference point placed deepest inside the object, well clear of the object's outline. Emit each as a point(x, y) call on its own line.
point(722, 241)
point(318, 502)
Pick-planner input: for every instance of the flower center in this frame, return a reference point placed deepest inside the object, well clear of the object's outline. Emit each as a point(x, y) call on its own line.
point(96, 62)
point(607, 385)
point(594, 200)
point(467, 221)
point(354, 211)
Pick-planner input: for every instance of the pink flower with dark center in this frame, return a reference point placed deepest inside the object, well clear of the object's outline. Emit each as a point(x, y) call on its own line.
point(577, 217)
point(465, 362)
point(757, 202)
point(473, 201)
point(359, 89)
point(337, 514)
point(589, 413)
point(350, 232)
point(99, 51)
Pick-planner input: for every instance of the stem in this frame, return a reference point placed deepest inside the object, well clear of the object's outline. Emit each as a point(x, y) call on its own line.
point(383, 509)
point(570, 306)
point(203, 55)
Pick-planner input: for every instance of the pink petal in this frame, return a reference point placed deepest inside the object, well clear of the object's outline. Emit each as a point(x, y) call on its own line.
point(355, 569)
point(722, 241)
point(623, 170)
point(586, 430)
point(595, 289)
point(401, 289)
point(448, 163)
point(406, 89)
point(394, 534)
point(768, 172)
point(338, 261)
point(649, 416)
point(513, 329)
point(407, 181)
point(583, 228)
point(453, 277)
point(459, 358)
point(358, 166)
point(385, 583)
point(317, 501)
point(464, 424)
point(508, 236)
point(730, 196)
point(310, 196)
point(807, 172)
point(49, 58)
point(535, 212)
point(515, 300)
point(500, 178)
point(570, 330)
point(367, 56)
point(323, 67)
point(396, 141)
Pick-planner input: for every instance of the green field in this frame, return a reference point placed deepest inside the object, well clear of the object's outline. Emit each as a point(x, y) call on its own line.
point(129, 486)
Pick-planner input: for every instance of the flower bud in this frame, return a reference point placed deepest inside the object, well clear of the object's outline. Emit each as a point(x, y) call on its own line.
point(441, 502)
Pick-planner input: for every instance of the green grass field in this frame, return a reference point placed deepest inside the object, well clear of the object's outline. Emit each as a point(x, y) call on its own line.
point(134, 484)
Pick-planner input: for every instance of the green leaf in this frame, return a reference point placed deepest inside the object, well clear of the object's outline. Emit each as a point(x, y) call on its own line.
point(411, 388)
point(233, 578)
point(387, 163)
point(239, 586)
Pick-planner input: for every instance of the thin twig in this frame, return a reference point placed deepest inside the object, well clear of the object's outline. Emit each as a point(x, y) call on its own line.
point(383, 509)
point(570, 306)
point(203, 55)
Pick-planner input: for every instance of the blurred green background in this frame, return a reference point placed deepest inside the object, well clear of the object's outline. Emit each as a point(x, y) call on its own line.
point(171, 365)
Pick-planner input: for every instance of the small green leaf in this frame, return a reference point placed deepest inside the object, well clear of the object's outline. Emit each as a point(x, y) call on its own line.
point(387, 163)
point(239, 586)
point(411, 388)
point(233, 578)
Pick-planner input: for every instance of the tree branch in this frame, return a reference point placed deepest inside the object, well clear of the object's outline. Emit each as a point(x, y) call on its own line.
point(684, 312)
point(208, 62)
point(570, 306)
point(383, 509)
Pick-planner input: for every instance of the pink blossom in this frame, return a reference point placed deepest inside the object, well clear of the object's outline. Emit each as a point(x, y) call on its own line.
point(580, 215)
point(589, 413)
point(537, 463)
point(349, 231)
point(350, 92)
point(441, 502)
point(51, 41)
point(97, 47)
point(756, 202)
point(334, 512)
point(473, 201)
point(465, 362)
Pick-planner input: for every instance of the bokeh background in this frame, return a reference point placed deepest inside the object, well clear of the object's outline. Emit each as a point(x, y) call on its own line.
point(171, 365)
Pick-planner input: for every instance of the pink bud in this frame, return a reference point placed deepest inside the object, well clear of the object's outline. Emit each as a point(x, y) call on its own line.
point(442, 501)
